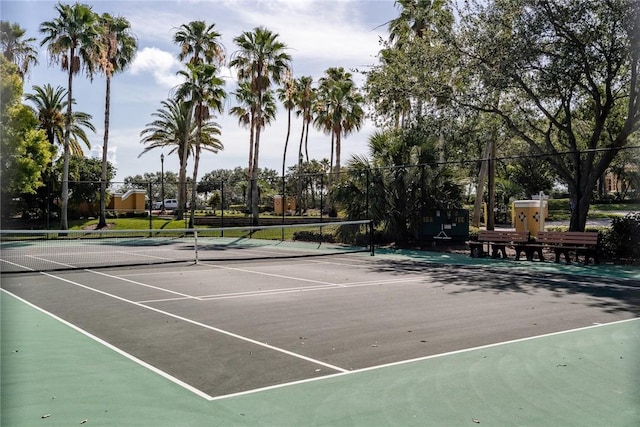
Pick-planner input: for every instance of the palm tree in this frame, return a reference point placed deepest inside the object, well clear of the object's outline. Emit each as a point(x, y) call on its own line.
point(419, 19)
point(172, 128)
point(304, 101)
point(17, 49)
point(71, 40)
point(247, 115)
point(339, 108)
point(198, 43)
point(245, 112)
point(287, 95)
point(175, 129)
point(262, 61)
point(49, 105)
point(116, 52)
point(202, 89)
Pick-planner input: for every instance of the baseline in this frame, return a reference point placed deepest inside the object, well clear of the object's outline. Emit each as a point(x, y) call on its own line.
point(200, 324)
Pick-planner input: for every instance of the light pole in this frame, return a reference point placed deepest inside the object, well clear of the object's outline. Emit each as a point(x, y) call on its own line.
point(162, 179)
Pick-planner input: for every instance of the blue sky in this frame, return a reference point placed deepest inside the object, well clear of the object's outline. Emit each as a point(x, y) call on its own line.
point(319, 33)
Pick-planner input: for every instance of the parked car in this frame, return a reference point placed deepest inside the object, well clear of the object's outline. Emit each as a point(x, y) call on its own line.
point(169, 204)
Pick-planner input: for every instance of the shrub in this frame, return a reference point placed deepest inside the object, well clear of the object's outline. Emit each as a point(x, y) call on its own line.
point(312, 236)
point(622, 242)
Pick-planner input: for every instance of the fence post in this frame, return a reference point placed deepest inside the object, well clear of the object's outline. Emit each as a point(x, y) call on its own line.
point(222, 208)
point(150, 205)
point(321, 196)
point(283, 202)
point(366, 195)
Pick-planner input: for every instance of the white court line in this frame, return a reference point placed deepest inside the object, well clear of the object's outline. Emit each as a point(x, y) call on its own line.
point(52, 262)
point(341, 372)
point(17, 265)
point(116, 349)
point(420, 359)
point(142, 284)
point(305, 289)
point(279, 276)
point(200, 324)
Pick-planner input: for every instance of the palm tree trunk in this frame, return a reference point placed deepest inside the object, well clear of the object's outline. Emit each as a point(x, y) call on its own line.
point(250, 170)
point(103, 177)
point(193, 187)
point(299, 186)
point(306, 138)
point(182, 178)
point(284, 157)
point(338, 154)
point(196, 162)
point(64, 224)
point(255, 193)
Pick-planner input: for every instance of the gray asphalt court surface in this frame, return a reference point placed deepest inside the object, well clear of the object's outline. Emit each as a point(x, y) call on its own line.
point(280, 342)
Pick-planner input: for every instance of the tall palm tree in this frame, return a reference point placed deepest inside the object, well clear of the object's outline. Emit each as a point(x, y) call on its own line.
point(304, 101)
point(116, 51)
point(246, 112)
point(199, 43)
point(287, 95)
point(49, 105)
point(71, 38)
point(261, 59)
point(17, 49)
point(203, 90)
point(339, 108)
point(305, 97)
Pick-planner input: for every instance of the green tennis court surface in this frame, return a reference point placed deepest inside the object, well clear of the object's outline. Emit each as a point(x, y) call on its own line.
point(354, 340)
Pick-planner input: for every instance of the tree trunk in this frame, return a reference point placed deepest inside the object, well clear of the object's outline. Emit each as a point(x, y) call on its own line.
point(491, 205)
point(299, 183)
point(249, 194)
point(255, 195)
point(182, 178)
point(64, 224)
point(193, 187)
point(338, 154)
point(105, 141)
point(484, 170)
point(196, 161)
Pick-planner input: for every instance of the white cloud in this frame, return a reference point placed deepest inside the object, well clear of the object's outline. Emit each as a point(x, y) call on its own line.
point(162, 65)
point(328, 31)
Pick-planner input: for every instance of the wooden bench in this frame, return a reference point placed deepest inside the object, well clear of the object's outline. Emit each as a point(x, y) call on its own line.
point(497, 241)
point(565, 242)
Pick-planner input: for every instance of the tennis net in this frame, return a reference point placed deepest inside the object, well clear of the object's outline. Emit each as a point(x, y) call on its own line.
point(50, 250)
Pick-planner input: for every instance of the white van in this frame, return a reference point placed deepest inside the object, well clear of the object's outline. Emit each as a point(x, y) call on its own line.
point(169, 204)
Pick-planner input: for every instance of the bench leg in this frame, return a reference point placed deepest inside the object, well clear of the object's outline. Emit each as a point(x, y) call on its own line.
point(477, 250)
point(497, 249)
point(532, 251)
point(565, 252)
point(519, 250)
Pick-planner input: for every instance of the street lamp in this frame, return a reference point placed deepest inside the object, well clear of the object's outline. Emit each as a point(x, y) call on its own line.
point(162, 179)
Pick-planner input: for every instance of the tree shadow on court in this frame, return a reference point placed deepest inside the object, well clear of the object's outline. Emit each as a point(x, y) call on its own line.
point(608, 294)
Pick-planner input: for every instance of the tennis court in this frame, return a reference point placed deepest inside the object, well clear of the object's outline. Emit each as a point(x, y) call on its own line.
point(343, 339)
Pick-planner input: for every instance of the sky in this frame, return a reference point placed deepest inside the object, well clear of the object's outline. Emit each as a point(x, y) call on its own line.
point(318, 33)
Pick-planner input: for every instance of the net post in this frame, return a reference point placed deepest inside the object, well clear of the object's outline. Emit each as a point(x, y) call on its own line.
point(195, 245)
point(150, 189)
point(371, 245)
point(222, 207)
